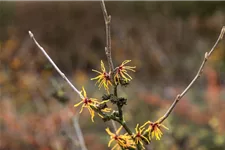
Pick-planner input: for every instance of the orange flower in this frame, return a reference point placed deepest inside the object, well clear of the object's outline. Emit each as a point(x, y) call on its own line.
point(89, 103)
point(139, 137)
point(124, 141)
point(103, 78)
point(121, 71)
point(154, 129)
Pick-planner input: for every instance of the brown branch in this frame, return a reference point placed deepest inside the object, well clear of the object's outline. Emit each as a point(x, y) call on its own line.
point(107, 19)
point(179, 96)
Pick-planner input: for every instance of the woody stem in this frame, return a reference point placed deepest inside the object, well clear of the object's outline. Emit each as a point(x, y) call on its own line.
point(118, 106)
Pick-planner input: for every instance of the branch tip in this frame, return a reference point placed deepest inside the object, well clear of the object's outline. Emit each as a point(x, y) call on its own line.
point(222, 32)
point(54, 65)
point(31, 34)
point(107, 19)
point(179, 96)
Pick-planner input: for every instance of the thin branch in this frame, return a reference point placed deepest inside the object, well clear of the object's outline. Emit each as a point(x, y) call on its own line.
point(114, 125)
point(118, 106)
point(179, 96)
point(107, 19)
point(55, 66)
point(79, 133)
point(75, 119)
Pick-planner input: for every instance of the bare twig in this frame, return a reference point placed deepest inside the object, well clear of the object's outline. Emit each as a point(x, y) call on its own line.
point(179, 96)
point(114, 125)
point(79, 133)
point(107, 19)
point(75, 119)
point(56, 68)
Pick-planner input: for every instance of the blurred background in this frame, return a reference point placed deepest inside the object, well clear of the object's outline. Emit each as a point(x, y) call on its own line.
point(166, 41)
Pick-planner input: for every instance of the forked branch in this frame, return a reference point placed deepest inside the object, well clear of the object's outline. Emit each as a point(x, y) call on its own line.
point(107, 19)
point(179, 96)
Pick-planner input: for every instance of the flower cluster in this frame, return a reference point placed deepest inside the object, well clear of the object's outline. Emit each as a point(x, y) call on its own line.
point(142, 134)
point(107, 78)
point(154, 129)
point(124, 141)
point(121, 72)
point(90, 104)
point(139, 136)
point(103, 78)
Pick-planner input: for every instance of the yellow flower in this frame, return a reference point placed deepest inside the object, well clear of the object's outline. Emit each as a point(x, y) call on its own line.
point(154, 129)
point(103, 78)
point(105, 110)
point(139, 137)
point(121, 71)
point(129, 143)
point(89, 103)
point(124, 141)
